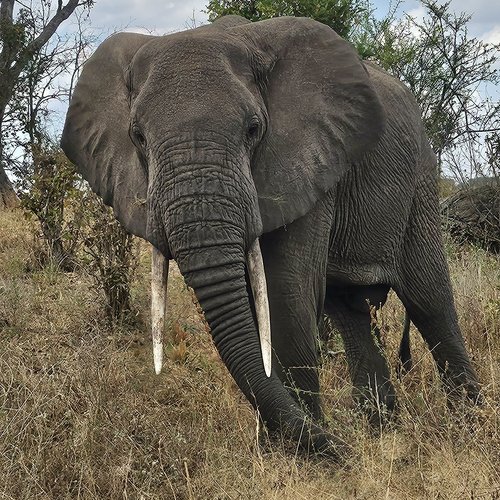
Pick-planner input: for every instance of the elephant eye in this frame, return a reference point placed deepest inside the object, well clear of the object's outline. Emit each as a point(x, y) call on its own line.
point(253, 129)
point(138, 136)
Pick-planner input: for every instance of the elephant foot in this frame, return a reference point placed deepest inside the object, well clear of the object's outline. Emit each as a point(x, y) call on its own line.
point(314, 440)
point(461, 386)
point(378, 402)
point(307, 438)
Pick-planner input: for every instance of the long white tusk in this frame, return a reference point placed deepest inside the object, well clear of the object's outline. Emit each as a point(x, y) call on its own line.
point(259, 290)
point(159, 278)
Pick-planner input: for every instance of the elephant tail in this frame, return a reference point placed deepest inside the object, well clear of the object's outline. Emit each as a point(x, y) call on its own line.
point(405, 361)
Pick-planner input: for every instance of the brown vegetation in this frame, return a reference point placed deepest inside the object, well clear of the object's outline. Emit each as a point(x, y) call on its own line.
point(472, 215)
point(82, 414)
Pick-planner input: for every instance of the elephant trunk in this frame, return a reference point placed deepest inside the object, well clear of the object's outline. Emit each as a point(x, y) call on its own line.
point(217, 271)
point(204, 202)
point(159, 282)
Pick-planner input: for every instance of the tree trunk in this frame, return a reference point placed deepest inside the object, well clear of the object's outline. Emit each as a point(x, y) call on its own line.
point(8, 197)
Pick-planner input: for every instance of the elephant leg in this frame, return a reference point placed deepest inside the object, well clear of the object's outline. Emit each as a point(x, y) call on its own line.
point(349, 310)
point(295, 352)
point(426, 292)
point(295, 264)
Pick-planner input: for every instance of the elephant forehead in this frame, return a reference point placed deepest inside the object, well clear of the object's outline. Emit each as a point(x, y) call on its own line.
point(197, 84)
point(191, 56)
point(184, 101)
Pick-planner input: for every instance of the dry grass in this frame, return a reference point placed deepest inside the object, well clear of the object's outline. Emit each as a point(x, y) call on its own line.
point(83, 416)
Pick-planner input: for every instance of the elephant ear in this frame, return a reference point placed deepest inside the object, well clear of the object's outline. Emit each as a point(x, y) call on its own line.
point(323, 111)
point(96, 133)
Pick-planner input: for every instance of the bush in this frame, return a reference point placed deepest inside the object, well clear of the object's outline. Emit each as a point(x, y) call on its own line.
point(76, 228)
point(110, 257)
point(51, 191)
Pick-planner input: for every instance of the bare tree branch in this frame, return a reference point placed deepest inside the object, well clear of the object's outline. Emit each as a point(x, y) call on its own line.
point(61, 15)
point(21, 42)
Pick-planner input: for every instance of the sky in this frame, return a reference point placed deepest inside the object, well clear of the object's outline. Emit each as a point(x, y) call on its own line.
point(167, 16)
point(485, 21)
point(160, 16)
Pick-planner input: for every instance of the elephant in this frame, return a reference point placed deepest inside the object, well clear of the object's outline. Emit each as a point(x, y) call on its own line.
point(287, 178)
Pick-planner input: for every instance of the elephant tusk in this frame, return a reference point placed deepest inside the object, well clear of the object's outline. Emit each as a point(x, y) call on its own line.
point(259, 291)
point(159, 279)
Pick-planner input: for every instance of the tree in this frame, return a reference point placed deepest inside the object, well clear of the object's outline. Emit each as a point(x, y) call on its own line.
point(340, 15)
point(447, 70)
point(48, 77)
point(21, 41)
point(46, 182)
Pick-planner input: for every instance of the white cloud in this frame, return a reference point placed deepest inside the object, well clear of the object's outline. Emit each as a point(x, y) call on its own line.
point(417, 14)
point(492, 36)
point(485, 13)
point(152, 16)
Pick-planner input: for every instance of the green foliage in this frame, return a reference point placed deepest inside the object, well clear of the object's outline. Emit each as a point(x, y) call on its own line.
point(444, 67)
point(341, 15)
point(110, 257)
point(50, 191)
point(14, 34)
point(76, 229)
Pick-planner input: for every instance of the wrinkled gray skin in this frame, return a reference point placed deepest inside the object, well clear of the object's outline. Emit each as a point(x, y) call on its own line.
point(204, 140)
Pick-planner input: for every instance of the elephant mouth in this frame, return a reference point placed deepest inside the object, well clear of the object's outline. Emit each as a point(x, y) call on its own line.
point(258, 285)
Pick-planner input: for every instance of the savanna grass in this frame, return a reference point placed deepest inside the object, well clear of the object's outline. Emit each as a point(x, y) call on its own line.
point(83, 416)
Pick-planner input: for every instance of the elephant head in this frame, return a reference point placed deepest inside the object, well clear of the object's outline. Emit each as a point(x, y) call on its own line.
point(203, 140)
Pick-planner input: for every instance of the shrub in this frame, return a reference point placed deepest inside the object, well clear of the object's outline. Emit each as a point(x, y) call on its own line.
point(50, 191)
point(110, 257)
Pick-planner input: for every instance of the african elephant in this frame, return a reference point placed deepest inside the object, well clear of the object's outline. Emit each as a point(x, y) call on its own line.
point(267, 157)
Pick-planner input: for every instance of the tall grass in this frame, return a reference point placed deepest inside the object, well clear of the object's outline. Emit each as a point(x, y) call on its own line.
point(83, 416)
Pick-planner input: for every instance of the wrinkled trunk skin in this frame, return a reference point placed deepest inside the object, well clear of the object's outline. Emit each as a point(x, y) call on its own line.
point(209, 225)
point(217, 275)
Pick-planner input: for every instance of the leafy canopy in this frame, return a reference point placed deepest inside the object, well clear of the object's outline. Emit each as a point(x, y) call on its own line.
point(341, 15)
